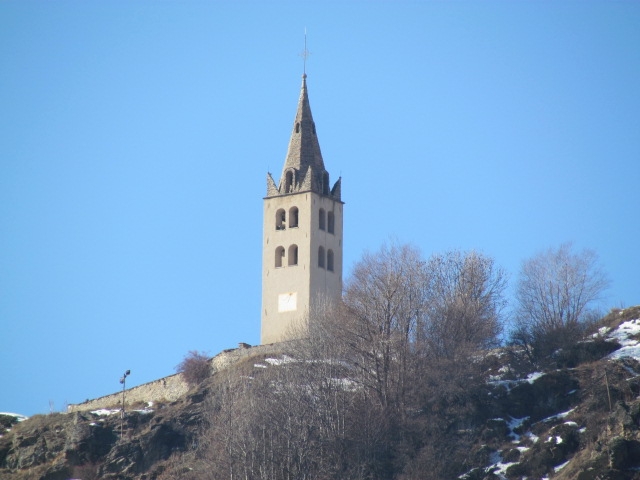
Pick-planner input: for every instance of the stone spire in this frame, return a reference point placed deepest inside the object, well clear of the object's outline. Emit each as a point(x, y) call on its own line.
point(304, 149)
point(303, 166)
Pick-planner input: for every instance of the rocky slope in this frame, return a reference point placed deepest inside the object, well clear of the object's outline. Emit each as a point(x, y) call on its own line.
point(579, 419)
point(99, 444)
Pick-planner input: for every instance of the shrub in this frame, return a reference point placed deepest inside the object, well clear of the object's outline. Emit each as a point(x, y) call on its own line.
point(7, 421)
point(195, 367)
point(556, 295)
point(586, 351)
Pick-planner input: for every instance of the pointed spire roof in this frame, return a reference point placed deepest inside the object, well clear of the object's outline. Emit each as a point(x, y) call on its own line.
point(304, 148)
point(303, 168)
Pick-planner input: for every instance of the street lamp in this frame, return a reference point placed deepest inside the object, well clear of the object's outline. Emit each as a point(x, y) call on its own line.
point(123, 381)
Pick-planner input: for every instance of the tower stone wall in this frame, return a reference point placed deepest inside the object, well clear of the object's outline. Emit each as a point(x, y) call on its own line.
point(302, 234)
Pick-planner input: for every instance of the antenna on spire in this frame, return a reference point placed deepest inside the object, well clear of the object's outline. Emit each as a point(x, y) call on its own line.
point(305, 54)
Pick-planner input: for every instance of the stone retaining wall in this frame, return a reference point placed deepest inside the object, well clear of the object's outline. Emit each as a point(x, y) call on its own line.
point(169, 389)
point(229, 357)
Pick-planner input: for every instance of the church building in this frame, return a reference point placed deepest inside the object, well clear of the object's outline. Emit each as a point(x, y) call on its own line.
point(302, 233)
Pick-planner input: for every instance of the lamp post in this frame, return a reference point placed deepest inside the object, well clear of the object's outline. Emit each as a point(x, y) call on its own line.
point(123, 381)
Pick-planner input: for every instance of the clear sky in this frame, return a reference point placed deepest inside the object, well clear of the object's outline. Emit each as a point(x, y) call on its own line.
point(135, 138)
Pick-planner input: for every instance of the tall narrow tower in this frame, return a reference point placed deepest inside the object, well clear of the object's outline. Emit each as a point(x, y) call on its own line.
point(302, 233)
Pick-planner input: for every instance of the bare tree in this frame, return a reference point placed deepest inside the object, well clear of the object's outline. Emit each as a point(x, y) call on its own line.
point(347, 422)
point(365, 385)
point(412, 330)
point(385, 302)
point(465, 299)
point(404, 316)
point(556, 293)
point(231, 446)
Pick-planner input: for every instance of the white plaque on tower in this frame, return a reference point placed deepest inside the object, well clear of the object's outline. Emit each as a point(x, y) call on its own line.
point(287, 302)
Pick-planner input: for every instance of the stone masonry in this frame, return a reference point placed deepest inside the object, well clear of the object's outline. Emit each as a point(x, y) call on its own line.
point(171, 388)
point(302, 235)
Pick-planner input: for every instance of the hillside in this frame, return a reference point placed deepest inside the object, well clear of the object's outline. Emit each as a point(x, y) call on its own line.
point(579, 418)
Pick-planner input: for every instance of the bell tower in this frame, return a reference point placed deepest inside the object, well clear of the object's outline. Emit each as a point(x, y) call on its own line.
point(302, 232)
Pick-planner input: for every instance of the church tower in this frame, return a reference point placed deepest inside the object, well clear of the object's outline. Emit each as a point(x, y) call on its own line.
point(302, 233)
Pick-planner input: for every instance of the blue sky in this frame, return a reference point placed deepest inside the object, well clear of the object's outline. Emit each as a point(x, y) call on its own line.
point(135, 138)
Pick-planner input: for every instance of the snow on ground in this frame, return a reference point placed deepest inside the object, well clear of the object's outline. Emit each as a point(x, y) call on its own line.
point(105, 412)
point(630, 347)
point(558, 416)
point(626, 330)
point(19, 417)
point(346, 384)
point(497, 380)
point(279, 361)
point(513, 424)
point(561, 466)
point(532, 377)
point(632, 351)
point(275, 361)
point(499, 465)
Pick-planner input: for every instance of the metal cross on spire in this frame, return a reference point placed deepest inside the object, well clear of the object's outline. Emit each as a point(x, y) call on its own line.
point(305, 54)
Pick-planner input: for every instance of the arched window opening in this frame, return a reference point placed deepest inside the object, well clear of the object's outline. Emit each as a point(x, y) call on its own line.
point(325, 183)
point(293, 217)
point(293, 255)
point(321, 219)
point(279, 256)
point(288, 183)
point(321, 257)
point(298, 127)
point(330, 260)
point(314, 127)
point(281, 219)
point(330, 222)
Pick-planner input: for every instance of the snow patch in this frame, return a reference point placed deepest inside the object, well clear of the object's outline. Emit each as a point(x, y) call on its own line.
point(279, 361)
point(626, 330)
point(561, 466)
point(105, 412)
point(346, 384)
point(632, 351)
point(498, 466)
point(513, 424)
point(532, 377)
point(630, 347)
point(144, 411)
point(559, 416)
point(19, 417)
